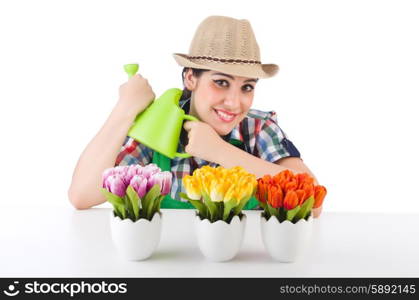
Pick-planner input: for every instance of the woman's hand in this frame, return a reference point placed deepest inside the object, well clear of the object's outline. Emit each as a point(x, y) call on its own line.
point(204, 141)
point(135, 95)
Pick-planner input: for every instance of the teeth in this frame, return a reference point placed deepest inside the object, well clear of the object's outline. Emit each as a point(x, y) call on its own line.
point(224, 115)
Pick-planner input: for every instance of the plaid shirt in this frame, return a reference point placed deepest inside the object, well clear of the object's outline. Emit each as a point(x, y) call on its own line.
point(258, 131)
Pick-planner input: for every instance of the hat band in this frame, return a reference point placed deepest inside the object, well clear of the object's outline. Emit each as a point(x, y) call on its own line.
point(225, 60)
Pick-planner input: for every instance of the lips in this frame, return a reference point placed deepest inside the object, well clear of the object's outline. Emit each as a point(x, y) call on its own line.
point(225, 116)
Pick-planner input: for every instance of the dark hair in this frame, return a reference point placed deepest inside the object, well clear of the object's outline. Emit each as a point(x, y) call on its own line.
point(196, 73)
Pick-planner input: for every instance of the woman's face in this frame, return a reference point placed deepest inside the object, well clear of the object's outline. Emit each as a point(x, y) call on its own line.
point(220, 100)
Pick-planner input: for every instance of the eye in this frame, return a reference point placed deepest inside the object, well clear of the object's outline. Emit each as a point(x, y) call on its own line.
point(221, 82)
point(248, 88)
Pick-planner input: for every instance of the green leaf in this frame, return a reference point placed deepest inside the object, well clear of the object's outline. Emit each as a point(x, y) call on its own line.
point(128, 207)
point(116, 201)
point(267, 214)
point(184, 196)
point(263, 205)
point(202, 209)
point(112, 198)
point(292, 212)
point(148, 200)
point(212, 207)
point(157, 203)
point(199, 206)
point(241, 205)
point(305, 209)
point(228, 206)
point(272, 211)
point(134, 200)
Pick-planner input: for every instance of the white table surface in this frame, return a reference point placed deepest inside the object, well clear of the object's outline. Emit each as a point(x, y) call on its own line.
point(64, 242)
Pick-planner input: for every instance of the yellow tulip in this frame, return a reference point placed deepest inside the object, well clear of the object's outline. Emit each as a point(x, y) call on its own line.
point(193, 187)
point(238, 170)
point(218, 190)
point(231, 194)
point(219, 172)
point(221, 184)
point(206, 180)
point(252, 185)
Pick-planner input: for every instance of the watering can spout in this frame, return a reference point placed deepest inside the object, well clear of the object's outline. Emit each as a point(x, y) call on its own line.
point(159, 125)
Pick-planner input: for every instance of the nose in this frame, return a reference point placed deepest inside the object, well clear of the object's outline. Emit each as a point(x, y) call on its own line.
point(232, 100)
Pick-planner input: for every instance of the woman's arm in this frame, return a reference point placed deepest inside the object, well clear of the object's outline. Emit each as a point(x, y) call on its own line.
point(232, 156)
point(101, 152)
point(296, 163)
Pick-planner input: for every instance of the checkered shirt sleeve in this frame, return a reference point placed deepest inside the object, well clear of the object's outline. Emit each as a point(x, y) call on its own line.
point(271, 142)
point(133, 152)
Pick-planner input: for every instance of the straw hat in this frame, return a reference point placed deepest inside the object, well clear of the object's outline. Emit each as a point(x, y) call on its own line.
point(226, 45)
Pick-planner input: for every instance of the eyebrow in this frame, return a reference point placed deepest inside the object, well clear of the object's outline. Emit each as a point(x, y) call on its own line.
point(231, 77)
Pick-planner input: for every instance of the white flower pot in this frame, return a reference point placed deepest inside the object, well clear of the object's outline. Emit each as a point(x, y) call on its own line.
point(285, 241)
point(136, 240)
point(220, 241)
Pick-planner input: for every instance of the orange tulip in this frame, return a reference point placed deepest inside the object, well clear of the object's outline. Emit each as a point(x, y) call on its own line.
point(267, 180)
point(287, 174)
point(290, 200)
point(301, 194)
point(283, 177)
point(262, 191)
point(275, 197)
point(309, 190)
point(291, 185)
point(304, 178)
point(288, 190)
point(319, 194)
point(271, 195)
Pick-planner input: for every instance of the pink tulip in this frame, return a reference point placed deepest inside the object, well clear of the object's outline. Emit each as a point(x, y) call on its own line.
point(151, 181)
point(167, 182)
point(130, 172)
point(115, 184)
point(139, 183)
point(106, 174)
point(150, 170)
point(122, 170)
point(142, 179)
point(134, 170)
point(164, 179)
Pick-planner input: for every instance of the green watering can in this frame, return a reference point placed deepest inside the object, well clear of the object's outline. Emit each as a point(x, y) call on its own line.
point(159, 125)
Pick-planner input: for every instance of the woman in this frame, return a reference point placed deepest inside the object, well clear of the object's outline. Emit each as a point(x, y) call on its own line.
point(219, 76)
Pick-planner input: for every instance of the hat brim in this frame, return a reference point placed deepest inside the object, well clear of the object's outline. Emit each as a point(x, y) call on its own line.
point(245, 70)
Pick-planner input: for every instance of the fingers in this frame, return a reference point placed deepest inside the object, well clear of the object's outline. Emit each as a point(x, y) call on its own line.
point(188, 125)
point(317, 211)
point(138, 75)
point(137, 78)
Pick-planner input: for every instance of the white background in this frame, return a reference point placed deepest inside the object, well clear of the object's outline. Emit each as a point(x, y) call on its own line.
point(346, 93)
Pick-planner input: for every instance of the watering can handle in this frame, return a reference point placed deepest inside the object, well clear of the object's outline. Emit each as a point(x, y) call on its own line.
point(131, 69)
point(186, 155)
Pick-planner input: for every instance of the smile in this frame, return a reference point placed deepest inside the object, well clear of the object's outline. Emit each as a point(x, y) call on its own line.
point(225, 116)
